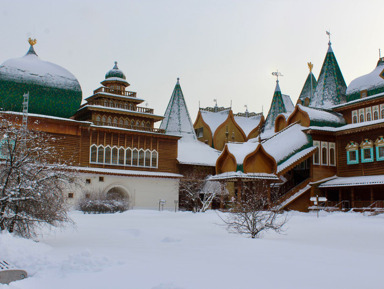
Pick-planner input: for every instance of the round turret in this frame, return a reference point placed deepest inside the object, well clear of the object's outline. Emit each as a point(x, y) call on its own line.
point(53, 90)
point(115, 72)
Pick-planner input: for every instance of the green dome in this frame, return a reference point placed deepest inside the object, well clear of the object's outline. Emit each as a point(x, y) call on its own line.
point(53, 90)
point(115, 72)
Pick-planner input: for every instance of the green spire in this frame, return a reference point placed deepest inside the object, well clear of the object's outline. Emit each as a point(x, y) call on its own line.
point(308, 90)
point(176, 119)
point(331, 86)
point(280, 104)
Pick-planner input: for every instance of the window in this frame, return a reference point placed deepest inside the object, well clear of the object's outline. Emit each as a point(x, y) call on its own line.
point(352, 153)
point(100, 154)
point(121, 156)
point(379, 143)
point(103, 120)
point(135, 157)
point(141, 158)
point(361, 115)
point(101, 179)
point(324, 153)
point(375, 110)
point(368, 113)
point(87, 181)
point(147, 158)
point(70, 195)
point(332, 154)
point(109, 121)
point(366, 151)
point(128, 157)
point(93, 153)
point(114, 155)
point(154, 159)
point(381, 110)
point(121, 122)
point(316, 156)
point(107, 159)
point(354, 116)
point(199, 132)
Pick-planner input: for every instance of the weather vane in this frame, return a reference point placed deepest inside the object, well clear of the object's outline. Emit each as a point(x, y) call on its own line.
point(32, 41)
point(329, 35)
point(310, 66)
point(277, 74)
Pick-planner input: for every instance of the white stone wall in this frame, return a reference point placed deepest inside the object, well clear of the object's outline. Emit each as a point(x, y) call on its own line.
point(143, 192)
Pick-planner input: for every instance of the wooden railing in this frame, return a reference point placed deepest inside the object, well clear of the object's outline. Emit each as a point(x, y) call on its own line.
point(115, 91)
point(128, 106)
point(134, 127)
point(293, 191)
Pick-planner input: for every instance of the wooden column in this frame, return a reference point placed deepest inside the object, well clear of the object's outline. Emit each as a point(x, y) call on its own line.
point(340, 198)
point(371, 192)
point(353, 197)
point(239, 190)
point(269, 193)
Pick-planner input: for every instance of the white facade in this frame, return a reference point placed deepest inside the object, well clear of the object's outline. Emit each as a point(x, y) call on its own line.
point(142, 192)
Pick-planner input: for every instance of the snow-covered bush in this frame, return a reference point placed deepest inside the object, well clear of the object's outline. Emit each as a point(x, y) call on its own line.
point(103, 204)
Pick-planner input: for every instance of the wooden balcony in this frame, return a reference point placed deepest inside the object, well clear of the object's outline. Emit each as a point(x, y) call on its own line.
point(134, 127)
point(122, 105)
point(114, 91)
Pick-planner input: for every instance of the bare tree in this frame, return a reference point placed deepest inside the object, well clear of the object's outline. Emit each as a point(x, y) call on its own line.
point(197, 194)
point(32, 180)
point(253, 212)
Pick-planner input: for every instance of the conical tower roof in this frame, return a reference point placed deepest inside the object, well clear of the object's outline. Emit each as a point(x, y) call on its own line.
point(331, 86)
point(280, 104)
point(176, 119)
point(308, 90)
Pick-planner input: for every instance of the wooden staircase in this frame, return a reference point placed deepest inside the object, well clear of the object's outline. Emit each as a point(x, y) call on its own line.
point(293, 193)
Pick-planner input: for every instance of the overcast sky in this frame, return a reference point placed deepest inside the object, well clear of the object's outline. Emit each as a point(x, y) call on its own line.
point(220, 49)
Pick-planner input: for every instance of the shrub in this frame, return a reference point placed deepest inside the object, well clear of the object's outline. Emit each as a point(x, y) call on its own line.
point(103, 205)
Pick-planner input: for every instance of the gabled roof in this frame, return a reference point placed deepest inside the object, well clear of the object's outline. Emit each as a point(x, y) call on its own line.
point(286, 143)
point(372, 82)
point(176, 119)
point(308, 88)
point(194, 152)
point(248, 123)
point(280, 104)
point(241, 150)
point(331, 87)
point(214, 119)
point(321, 117)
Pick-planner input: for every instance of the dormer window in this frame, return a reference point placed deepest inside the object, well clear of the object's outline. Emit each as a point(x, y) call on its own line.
point(363, 93)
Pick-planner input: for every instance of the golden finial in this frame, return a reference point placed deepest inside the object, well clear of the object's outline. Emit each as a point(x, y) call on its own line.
point(32, 41)
point(310, 66)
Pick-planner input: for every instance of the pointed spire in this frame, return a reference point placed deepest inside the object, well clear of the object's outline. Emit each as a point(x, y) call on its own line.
point(331, 86)
point(176, 119)
point(309, 88)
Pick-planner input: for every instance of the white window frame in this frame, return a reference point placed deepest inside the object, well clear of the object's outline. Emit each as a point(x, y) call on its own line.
point(324, 144)
point(331, 145)
point(316, 143)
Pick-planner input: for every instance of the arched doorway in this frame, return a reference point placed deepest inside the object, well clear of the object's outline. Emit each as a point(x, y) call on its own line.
point(118, 193)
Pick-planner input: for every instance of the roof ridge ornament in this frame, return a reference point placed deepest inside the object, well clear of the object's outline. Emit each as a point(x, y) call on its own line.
point(277, 74)
point(329, 36)
point(31, 41)
point(115, 66)
point(31, 50)
point(310, 66)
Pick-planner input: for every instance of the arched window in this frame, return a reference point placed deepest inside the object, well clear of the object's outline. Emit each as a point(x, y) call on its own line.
point(121, 122)
point(147, 160)
point(114, 155)
point(135, 157)
point(100, 154)
point(109, 121)
point(98, 119)
point(154, 159)
point(138, 123)
point(354, 119)
point(382, 113)
point(332, 160)
point(375, 115)
point(93, 157)
point(111, 103)
point(148, 124)
point(107, 159)
point(103, 120)
point(121, 156)
point(128, 157)
point(126, 122)
point(361, 117)
point(143, 123)
point(141, 158)
point(132, 123)
point(316, 156)
point(368, 117)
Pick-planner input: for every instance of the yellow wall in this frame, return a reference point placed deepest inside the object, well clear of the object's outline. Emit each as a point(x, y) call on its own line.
point(259, 162)
point(207, 135)
point(219, 139)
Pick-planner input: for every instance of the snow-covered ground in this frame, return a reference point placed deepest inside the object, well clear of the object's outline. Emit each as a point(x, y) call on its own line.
point(167, 250)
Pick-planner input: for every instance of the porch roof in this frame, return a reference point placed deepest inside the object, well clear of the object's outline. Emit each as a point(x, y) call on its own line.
point(354, 181)
point(240, 175)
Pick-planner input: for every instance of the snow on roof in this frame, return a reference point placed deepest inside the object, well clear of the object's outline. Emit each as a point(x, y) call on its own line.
point(47, 116)
point(195, 152)
point(127, 172)
point(115, 79)
point(31, 68)
point(288, 103)
point(381, 94)
point(116, 95)
point(241, 175)
point(176, 118)
point(286, 142)
point(241, 150)
point(295, 158)
point(214, 119)
point(248, 124)
point(369, 81)
point(348, 126)
point(320, 116)
point(354, 181)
